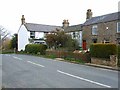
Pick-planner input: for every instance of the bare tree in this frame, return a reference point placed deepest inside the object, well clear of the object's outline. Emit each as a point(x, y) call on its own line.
point(3, 34)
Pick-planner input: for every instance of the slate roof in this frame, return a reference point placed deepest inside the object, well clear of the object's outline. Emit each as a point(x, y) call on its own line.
point(73, 28)
point(103, 18)
point(40, 27)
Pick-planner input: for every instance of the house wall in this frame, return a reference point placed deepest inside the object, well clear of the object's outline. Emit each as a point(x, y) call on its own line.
point(78, 36)
point(103, 33)
point(39, 35)
point(23, 38)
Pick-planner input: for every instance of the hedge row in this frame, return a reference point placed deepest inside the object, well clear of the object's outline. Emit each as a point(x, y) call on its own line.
point(118, 55)
point(69, 55)
point(35, 48)
point(103, 50)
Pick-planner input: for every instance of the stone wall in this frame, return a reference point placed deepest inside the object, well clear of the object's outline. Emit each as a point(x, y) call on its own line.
point(108, 62)
point(106, 30)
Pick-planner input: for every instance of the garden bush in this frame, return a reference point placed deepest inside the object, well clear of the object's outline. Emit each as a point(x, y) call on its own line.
point(103, 50)
point(7, 51)
point(118, 52)
point(69, 55)
point(35, 48)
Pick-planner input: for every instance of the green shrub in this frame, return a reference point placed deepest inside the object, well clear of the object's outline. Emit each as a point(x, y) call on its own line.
point(7, 51)
point(118, 52)
point(79, 57)
point(103, 50)
point(52, 56)
point(35, 48)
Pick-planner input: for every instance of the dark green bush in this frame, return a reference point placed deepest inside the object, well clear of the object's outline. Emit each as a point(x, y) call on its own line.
point(35, 48)
point(119, 51)
point(103, 50)
point(118, 55)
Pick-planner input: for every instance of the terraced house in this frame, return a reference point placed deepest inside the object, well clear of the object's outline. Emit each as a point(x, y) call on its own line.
point(101, 29)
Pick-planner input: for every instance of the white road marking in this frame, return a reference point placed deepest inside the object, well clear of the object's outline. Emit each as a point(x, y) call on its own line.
point(84, 79)
point(7, 55)
point(17, 58)
point(35, 64)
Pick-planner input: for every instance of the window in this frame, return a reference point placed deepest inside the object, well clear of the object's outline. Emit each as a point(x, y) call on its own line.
point(94, 40)
point(118, 27)
point(32, 34)
point(105, 40)
point(94, 30)
point(74, 35)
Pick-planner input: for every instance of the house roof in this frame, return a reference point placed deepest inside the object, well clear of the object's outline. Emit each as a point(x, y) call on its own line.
point(103, 18)
point(40, 27)
point(73, 28)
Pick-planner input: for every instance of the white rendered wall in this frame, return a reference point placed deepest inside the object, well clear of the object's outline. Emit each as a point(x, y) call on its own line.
point(80, 43)
point(23, 36)
point(39, 35)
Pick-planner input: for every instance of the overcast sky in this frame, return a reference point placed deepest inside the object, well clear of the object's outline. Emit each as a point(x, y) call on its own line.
point(51, 12)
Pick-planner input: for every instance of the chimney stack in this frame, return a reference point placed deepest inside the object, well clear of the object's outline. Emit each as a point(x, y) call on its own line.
point(23, 20)
point(89, 14)
point(65, 23)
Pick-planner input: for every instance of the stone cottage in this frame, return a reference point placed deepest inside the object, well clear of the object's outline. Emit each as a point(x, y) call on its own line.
point(100, 29)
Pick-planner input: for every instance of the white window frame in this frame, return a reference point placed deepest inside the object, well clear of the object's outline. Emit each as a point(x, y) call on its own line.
point(118, 27)
point(32, 34)
point(94, 30)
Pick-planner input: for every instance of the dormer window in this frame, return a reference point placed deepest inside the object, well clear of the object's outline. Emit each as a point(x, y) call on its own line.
point(118, 27)
point(94, 30)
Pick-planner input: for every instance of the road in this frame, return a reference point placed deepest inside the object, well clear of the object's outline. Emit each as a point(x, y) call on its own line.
point(25, 71)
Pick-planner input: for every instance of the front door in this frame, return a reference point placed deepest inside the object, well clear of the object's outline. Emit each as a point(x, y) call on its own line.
point(84, 45)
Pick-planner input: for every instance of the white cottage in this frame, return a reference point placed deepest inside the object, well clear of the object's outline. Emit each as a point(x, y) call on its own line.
point(32, 33)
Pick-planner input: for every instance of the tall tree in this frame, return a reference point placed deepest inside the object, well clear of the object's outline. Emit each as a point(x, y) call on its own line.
point(14, 44)
point(59, 39)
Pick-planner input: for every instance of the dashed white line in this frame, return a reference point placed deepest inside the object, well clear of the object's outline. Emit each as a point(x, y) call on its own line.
point(87, 80)
point(35, 64)
point(17, 58)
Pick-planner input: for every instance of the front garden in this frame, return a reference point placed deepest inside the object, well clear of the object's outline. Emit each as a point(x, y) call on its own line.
point(105, 54)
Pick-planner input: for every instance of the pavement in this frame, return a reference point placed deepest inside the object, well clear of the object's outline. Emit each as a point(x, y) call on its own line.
point(25, 71)
point(95, 65)
point(103, 66)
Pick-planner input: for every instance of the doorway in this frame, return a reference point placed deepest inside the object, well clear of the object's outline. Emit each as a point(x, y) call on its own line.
point(84, 44)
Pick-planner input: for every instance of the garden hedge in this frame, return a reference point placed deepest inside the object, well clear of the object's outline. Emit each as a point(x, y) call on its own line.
point(35, 48)
point(118, 55)
point(69, 55)
point(103, 50)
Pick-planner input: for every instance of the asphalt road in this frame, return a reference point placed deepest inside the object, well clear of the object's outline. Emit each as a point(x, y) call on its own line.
point(25, 71)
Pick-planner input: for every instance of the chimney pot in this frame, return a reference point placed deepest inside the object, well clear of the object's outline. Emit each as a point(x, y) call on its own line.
point(89, 14)
point(23, 19)
point(65, 23)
